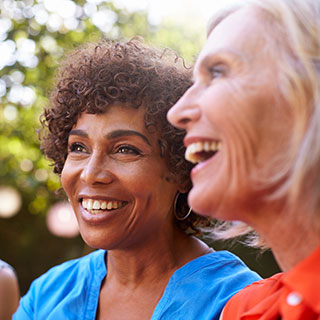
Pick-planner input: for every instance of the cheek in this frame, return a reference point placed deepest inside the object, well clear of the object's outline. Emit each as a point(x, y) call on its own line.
point(151, 181)
point(137, 177)
point(67, 180)
point(234, 125)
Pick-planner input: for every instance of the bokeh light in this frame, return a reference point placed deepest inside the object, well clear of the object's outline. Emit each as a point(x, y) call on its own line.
point(41, 175)
point(7, 49)
point(10, 201)
point(10, 112)
point(61, 220)
point(26, 165)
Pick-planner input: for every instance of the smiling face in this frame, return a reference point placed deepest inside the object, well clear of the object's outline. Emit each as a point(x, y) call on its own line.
point(116, 180)
point(236, 120)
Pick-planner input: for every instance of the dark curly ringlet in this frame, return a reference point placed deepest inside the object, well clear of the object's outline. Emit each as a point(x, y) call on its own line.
point(98, 75)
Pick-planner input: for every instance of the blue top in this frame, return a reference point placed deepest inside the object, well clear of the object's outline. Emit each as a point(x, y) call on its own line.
point(197, 291)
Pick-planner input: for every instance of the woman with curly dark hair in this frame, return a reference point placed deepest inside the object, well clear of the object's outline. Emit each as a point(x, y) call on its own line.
point(122, 166)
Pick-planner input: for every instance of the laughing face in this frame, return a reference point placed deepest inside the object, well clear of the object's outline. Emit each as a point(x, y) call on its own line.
point(116, 180)
point(236, 119)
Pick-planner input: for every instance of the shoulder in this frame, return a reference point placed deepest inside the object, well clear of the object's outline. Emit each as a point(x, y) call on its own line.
point(7, 273)
point(260, 289)
point(220, 265)
point(225, 264)
point(210, 280)
point(62, 282)
point(9, 291)
point(251, 296)
point(8, 279)
point(69, 271)
point(230, 272)
point(4, 265)
point(223, 275)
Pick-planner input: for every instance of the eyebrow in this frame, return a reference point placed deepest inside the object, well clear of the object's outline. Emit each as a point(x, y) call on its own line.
point(112, 135)
point(77, 132)
point(121, 133)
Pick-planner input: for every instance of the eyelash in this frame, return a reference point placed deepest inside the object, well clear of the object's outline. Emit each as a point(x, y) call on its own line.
point(124, 149)
point(130, 150)
point(74, 147)
point(216, 71)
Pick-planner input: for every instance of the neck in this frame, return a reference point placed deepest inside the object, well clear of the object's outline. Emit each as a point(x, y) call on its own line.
point(154, 260)
point(291, 241)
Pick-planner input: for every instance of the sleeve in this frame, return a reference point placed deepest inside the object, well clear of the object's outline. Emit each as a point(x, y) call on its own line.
point(25, 309)
point(44, 292)
point(255, 299)
point(234, 308)
point(62, 290)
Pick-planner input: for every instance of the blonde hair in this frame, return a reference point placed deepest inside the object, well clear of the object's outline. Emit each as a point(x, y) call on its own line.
point(293, 27)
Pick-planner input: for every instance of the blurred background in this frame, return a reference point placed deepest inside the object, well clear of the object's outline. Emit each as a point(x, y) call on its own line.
point(37, 226)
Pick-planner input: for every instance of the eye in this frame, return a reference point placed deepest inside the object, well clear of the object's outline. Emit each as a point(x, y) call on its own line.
point(216, 71)
point(77, 147)
point(128, 149)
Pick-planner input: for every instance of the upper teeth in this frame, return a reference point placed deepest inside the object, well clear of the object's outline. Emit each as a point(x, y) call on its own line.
point(90, 204)
point(206, 146)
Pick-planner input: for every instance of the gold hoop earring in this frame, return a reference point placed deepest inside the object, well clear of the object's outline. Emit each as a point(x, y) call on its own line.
point(180, 218)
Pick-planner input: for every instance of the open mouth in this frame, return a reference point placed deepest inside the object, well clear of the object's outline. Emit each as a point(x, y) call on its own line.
point(201, 151)
point(99, 206)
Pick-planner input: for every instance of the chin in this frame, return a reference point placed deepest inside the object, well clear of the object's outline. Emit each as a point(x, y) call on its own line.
point(94, 239)
point(217, 205)
point(201, 202)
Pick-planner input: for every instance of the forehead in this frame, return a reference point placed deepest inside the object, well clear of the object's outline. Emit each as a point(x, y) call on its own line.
point(116, 115)
point(241, 33)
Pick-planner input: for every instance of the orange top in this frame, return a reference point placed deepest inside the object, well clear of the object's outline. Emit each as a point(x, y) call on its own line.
point(294, 295)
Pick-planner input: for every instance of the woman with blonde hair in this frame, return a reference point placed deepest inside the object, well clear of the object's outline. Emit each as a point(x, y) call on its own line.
point(252, 118)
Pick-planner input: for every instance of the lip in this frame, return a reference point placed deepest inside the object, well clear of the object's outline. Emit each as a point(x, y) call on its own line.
point(193, 139)
point(100, 218)
point(201, 166)
point(103, 217)
point(98, 197)
point(198, 167)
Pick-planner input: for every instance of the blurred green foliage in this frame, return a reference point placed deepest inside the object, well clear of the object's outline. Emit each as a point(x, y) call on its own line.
point(33, 39)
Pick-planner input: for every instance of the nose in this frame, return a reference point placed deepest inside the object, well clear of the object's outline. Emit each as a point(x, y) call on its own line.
point(96, 171)
point(186, 111)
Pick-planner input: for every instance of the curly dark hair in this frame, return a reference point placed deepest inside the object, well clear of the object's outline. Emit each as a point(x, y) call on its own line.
point(98, 75)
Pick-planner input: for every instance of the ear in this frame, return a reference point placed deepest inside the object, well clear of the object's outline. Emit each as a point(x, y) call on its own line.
point(183, 187)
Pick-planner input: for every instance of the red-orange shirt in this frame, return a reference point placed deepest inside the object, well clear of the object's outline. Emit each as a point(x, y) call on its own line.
point(294, 295)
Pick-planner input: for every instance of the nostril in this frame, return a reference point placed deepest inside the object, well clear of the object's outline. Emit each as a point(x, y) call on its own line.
point(184, 121)
point(182, 114)
point(177, 119)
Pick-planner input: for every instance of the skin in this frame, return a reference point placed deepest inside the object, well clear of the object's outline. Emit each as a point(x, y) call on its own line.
point(9, 293)
point(235, 99)
point(113, 157)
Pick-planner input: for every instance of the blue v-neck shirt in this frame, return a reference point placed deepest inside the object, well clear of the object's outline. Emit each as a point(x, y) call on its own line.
point(196, 291)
